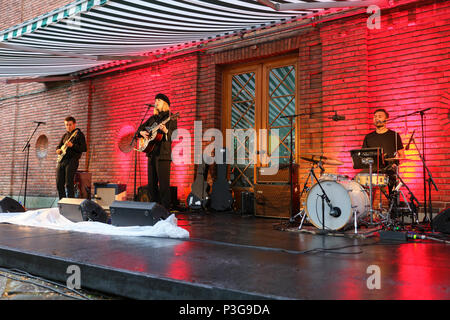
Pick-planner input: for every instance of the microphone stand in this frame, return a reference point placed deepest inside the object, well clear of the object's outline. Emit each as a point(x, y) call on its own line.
point(27, 146)
point(324, 198)
point(135, 137)
point(425, 168)
point(291, 160)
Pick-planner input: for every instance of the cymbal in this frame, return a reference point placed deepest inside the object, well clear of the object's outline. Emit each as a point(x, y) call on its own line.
point(331, 162)
point(394, 159)
point(320, 156)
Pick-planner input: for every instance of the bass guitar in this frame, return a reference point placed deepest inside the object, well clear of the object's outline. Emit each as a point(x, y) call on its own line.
point(155, 135)
point(64, 146)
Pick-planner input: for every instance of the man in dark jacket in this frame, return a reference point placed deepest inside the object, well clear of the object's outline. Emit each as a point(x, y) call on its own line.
point(69, 151)
point(159, 159)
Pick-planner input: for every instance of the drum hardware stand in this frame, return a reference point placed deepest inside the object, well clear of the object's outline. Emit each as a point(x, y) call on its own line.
point(369, 161)
point(302, 212)
point(413, 210)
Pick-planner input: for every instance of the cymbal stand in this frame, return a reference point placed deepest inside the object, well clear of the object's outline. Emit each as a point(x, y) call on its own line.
point(369, 161)
point(302, 212)
point(412, 208)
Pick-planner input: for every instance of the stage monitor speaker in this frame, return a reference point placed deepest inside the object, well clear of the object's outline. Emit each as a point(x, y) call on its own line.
point(135, 213)
point(8, 204)
point(70, 208)
point(91, 211)
point(441, 222)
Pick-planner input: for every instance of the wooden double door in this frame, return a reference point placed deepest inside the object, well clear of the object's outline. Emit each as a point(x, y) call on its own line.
point(259, 98)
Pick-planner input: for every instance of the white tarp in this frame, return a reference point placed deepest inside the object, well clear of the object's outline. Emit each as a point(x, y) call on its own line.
point(52, 219)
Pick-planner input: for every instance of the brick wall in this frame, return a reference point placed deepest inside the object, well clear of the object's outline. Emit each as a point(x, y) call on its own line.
point(342, 66)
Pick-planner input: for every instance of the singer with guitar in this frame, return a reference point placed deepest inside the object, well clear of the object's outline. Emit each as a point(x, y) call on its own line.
point(160, 154)
point(390, 141)
point(69, 151)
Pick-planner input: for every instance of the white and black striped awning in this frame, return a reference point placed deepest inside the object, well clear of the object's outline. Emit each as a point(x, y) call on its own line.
point(86, 33)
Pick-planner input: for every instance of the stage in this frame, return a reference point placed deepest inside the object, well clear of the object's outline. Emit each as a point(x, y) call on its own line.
point(234, 257)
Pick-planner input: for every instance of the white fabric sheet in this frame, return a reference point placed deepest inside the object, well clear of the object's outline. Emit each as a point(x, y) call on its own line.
point(52, 219)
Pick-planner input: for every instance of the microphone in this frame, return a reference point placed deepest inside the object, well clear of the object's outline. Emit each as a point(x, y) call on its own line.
point(410, 140)
point(39, 122)
point(336, 117)
point(149, 104)
point(335, 212)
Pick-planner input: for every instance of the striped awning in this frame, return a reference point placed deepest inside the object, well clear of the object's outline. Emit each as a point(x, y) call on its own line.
point(88, 33)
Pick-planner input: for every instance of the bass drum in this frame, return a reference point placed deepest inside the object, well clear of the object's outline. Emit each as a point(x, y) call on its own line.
point(347, 195)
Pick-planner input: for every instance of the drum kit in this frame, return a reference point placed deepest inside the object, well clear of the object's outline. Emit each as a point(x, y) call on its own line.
point(336, 202)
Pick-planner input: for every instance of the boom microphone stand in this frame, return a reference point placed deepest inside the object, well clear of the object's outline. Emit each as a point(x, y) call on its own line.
point(291, 160)
point(429, 180)
point(27, 146)
point(425, 168)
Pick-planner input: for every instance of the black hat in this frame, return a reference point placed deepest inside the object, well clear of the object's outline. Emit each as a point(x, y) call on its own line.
point(162, 97)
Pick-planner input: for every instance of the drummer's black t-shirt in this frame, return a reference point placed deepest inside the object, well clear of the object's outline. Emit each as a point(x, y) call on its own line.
point(390, 141)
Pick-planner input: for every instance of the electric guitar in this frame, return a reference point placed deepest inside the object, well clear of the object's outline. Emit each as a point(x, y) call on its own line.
point(64, 147)
point(155, 135)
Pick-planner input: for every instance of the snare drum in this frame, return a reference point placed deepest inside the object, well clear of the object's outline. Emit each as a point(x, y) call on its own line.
point(378, 180)
point(347, 195)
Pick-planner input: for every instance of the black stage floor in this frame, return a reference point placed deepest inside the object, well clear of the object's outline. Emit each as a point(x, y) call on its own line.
point(229, 256)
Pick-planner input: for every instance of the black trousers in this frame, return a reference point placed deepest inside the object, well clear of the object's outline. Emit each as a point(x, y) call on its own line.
point(65, 175)
point(159, 181)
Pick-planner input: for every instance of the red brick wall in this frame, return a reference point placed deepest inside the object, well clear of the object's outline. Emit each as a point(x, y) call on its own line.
point(342, 66)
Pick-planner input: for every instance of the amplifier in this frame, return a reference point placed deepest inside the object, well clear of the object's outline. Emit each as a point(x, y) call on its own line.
point(282, 175)
point(275, 200)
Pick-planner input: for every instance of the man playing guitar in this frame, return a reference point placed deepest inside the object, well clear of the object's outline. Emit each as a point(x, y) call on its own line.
point(69, 151)
point(160, 156)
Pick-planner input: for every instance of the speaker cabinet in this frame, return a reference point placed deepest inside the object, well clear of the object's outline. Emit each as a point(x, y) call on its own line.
point(92, 211)
point(83, 182)
point(441, 222)
point(135, 213)
point(247, 203)
point(105, 194)
point(70, 208)
point(142, 195)
point(10, 205)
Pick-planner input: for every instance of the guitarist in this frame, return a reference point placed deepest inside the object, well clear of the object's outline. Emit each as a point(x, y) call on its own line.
point(67, 167)
point(159, 159)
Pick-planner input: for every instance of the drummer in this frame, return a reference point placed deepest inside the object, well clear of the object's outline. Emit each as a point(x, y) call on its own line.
point(390, 141)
